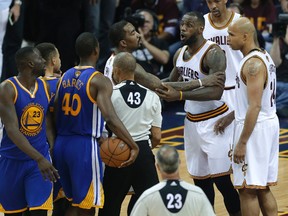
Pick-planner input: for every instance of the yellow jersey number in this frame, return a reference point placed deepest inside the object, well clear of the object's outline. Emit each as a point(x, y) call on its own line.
point(72, 108)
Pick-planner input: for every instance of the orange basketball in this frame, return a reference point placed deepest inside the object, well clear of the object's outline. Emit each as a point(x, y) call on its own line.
point(114, 152)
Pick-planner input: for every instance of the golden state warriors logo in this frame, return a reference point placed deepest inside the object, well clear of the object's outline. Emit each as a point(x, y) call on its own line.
point(32, 119)
point(77, 74)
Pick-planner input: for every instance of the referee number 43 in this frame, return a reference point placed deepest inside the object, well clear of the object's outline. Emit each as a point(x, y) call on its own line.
point(174, 201)
point(134, 98)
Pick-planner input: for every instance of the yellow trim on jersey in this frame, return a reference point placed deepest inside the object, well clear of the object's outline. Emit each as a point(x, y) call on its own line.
point(48, 205)
point(244, 185)
point(16, 92)
point(199, 48)
point(243, 78)
point(32, 95)
point(82, 67)
point(60, 195)
point(88, 87)
point(207, 115)
point(221, 27)
point(46, 88)
point(11, 212)
point(88, 201)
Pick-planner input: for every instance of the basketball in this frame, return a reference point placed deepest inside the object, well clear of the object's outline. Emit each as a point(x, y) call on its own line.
point(114, 152)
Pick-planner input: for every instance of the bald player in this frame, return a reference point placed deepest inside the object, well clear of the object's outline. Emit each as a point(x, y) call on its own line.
point(256, 141)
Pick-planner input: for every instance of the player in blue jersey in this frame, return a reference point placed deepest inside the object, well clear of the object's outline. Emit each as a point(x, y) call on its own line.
point(83, 96)
point(25, 164)
point(52, 74)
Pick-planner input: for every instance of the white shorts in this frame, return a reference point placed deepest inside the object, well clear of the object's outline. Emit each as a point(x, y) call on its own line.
point(261, 162)
point(207, 154)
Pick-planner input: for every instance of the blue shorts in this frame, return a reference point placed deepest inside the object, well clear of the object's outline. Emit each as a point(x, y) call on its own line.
point(78, 161)
point(22, 186)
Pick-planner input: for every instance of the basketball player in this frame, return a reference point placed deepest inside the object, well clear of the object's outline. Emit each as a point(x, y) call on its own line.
point(172, 196)
point(140, 111)
point(206, 163)
point(256, 140)
point(125, 38)
point(24, 149)
point(81, 95)
point(52, 74)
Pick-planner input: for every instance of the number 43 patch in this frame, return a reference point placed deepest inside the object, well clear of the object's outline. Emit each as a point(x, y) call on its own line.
point(133, 94)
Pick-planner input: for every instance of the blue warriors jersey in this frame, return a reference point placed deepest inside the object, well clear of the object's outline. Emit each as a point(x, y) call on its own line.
point(31, 110)
point(78, 113)
point(52, 81)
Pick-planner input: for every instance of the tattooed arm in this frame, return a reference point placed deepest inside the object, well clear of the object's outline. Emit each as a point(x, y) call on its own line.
point(254, 72)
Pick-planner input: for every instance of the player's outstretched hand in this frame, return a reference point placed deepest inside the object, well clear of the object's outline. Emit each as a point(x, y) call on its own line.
point(168, 93)
point(215, 79)
point(133, 155)
point(47, 170)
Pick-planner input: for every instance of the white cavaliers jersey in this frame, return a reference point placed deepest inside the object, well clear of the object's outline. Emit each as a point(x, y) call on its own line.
point(109, 68)
point(173, 197)
point(219, 35)
point(191, 69)
point(138, 108)
point(268, 106)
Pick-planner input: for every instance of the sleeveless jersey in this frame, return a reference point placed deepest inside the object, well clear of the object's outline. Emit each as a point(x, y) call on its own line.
point(78, 113)
point(190, 69)
point(268, 106)
point(109, 68)
point(31, 110)
point(138, 108)
point(173, 197)
point(52, 81)
point(219, 35)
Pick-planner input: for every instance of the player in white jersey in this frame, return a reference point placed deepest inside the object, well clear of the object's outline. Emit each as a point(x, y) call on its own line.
point(257, 127)
point(216, 26)
point(140, 111)
point(172, 196)
point(207, 154)
point(125, 38)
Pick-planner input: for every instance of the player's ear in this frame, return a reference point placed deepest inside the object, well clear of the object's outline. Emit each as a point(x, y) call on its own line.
point(123, 43)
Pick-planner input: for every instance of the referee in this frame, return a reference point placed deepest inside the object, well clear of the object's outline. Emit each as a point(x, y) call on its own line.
point(140, 111)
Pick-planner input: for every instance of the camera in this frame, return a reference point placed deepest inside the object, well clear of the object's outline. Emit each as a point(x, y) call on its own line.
point(136, 19)
point(279, 27)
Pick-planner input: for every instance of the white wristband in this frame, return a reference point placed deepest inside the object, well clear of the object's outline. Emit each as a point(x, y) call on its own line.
point(200, 82)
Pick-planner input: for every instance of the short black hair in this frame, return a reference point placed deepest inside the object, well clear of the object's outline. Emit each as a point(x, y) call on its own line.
point(23, 55)
point(86, 44)
point(117, 33)
point(47, 50)
point(200, 17)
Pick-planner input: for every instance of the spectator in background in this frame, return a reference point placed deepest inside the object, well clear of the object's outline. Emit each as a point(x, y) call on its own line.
point(13, 15)
point(153, 53)
point(195, 5)
point(13, 39)
point(60, 24)
point(261, 13)
point(168, 15)
point(99, 17)
point(279, 54)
